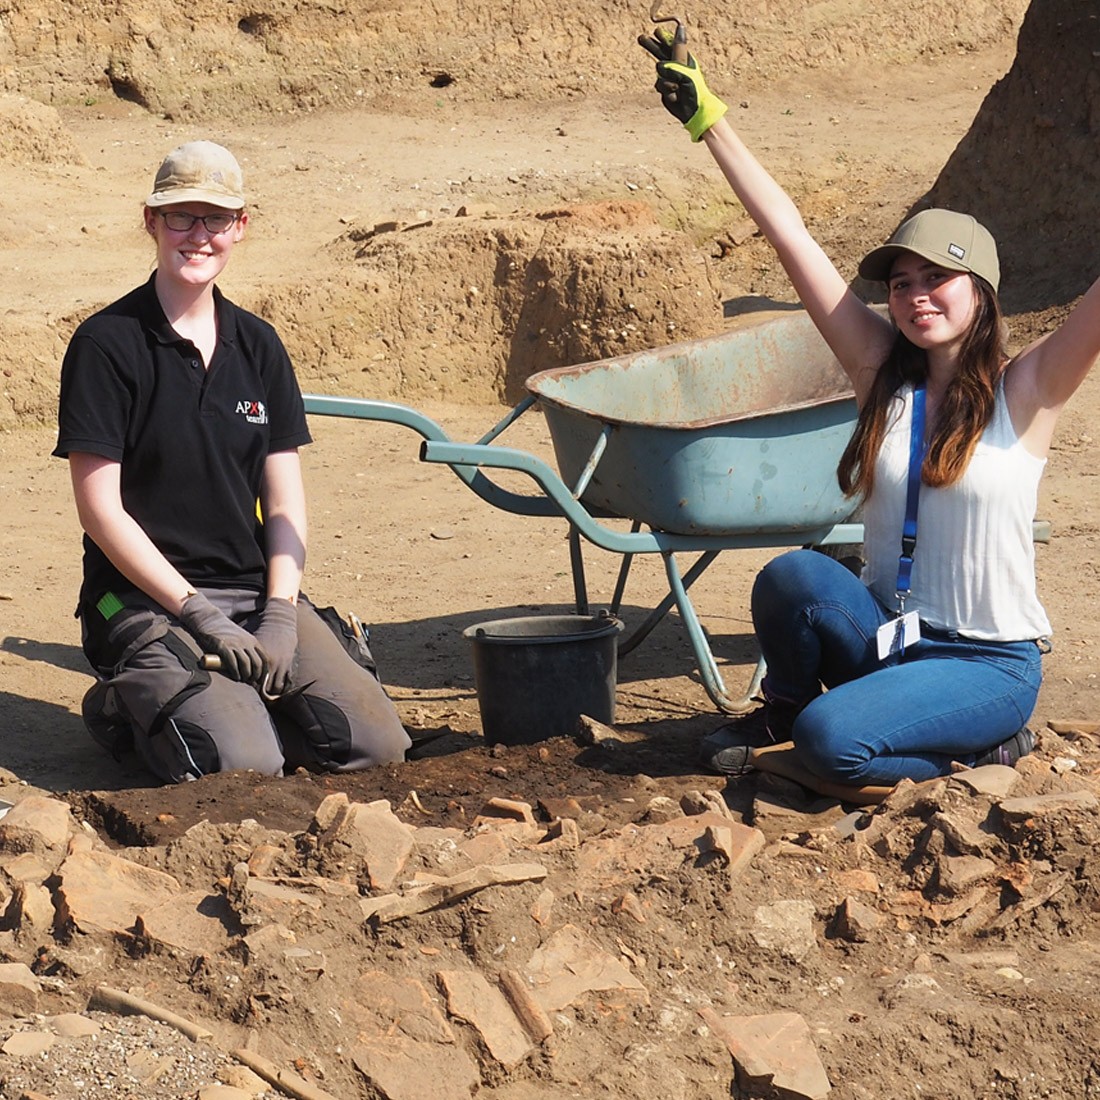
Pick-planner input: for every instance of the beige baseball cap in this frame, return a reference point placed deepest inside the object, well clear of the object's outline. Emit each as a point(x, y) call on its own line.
point(199, 171)
point(952, 240)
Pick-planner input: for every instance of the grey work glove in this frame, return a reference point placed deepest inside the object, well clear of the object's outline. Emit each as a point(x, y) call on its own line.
point(242, 656)
point(278, 634)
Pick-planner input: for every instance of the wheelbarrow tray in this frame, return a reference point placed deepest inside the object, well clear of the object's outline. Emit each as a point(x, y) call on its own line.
point(739, 433)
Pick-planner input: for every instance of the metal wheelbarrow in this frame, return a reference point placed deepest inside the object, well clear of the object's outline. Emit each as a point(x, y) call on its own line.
point(728, 442)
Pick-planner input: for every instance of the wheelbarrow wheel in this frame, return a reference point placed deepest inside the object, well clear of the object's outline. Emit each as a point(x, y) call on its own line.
point(849, 554)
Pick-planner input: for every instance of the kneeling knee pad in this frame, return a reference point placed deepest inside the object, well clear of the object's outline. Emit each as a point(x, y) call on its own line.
point(315, 732)
point(185, 750)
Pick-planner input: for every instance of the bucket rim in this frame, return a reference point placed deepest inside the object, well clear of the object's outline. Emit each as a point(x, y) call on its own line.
point(594, 627)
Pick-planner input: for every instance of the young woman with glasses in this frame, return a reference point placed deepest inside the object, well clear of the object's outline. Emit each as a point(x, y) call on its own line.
point(181, 419)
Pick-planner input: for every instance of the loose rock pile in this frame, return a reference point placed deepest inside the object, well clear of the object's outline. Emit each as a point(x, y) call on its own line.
point(523, 955)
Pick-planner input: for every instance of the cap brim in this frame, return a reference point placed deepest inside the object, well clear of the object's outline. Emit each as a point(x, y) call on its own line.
point(877, 264)
point(195, 194)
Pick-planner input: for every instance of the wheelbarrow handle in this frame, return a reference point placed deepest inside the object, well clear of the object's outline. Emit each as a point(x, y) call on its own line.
point(358, 408)
point(563, 504)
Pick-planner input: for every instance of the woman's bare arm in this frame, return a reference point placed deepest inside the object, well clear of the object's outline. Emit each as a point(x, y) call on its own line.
point(283, 506)
point(859, 336)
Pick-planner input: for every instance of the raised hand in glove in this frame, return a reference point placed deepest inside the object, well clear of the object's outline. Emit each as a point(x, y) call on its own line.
point(683, 90)
point(278, 634)
point(242, 655)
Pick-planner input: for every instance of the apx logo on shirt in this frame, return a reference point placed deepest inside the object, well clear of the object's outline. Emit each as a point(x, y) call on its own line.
point(255, 412)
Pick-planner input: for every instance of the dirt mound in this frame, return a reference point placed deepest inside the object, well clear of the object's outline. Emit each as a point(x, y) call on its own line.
point(32, 133)
point(467, 308)
point(1028, 168)
point(206, 58)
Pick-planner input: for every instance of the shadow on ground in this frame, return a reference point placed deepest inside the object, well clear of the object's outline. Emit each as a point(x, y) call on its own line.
point(432, 653)
point(69, 657)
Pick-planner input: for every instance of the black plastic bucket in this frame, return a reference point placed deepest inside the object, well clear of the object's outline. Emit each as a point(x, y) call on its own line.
point(538, 674)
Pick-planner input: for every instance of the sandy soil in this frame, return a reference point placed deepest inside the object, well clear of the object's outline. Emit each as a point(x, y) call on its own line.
point(356, 251)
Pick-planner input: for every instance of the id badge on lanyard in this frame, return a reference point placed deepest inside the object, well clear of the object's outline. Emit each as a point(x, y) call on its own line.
point(904, 629)
point(898, 634)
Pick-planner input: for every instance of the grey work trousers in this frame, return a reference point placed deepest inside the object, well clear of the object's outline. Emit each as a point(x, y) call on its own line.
point(186, 722)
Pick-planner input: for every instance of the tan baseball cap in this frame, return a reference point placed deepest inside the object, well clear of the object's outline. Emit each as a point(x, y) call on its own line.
point(199, 171)
point(952, 240)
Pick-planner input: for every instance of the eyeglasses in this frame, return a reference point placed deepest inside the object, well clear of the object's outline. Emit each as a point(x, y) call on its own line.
point(179, 221)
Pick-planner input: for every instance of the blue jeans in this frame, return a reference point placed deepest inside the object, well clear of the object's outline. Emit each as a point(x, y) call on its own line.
point(946, 698)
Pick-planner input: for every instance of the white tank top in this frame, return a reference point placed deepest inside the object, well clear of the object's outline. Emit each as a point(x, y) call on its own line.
point(974, 565)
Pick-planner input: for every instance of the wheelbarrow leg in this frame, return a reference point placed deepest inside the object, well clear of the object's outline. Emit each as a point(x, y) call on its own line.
point(620, 584)
point(708, 668)
point(662, 609)
point(576, 560)
point(580, 588)
point(758, 675)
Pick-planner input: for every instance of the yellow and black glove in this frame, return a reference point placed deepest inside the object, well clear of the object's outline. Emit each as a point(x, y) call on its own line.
point(683, 90)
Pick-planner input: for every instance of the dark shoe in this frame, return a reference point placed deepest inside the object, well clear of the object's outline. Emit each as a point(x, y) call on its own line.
point(1008, 752)
point(727, 750)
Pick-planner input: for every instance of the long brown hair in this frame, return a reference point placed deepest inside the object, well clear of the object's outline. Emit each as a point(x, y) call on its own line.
point(964, 413)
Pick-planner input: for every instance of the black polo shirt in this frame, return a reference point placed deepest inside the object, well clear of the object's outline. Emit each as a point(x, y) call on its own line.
point(192, 441)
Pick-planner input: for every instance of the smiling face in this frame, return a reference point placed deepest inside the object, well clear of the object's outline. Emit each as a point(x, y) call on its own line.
point(195, 257)
point(931, 305)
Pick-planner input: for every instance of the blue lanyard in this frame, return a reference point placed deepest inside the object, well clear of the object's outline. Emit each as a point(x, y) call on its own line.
point(909, 527)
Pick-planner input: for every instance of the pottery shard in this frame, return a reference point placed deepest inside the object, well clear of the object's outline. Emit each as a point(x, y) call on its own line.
point(18, 989)
point(27, 867)
point(956, 875)
point(1074, 725)
point(777, 814)
point(1018, 810)
point(385, 1006)
point(994, 780)
point(330, 812)
point(856, 879)
point(486, 847)
point(260, 901)
point(399, 1068)
point(570, 965)
point(855, 920)
point(268, 945)
point(101, 891)
point(30, 907)
point(773, 1052)
point(509, 809)
point(431, 892)
point(963, 834)
point(661, 809)
point(196, 922)
point(645, 850)
point(373, 832)
point(472, 999)
point(36, 823)
point(28, 1044)
point(74, 1025)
